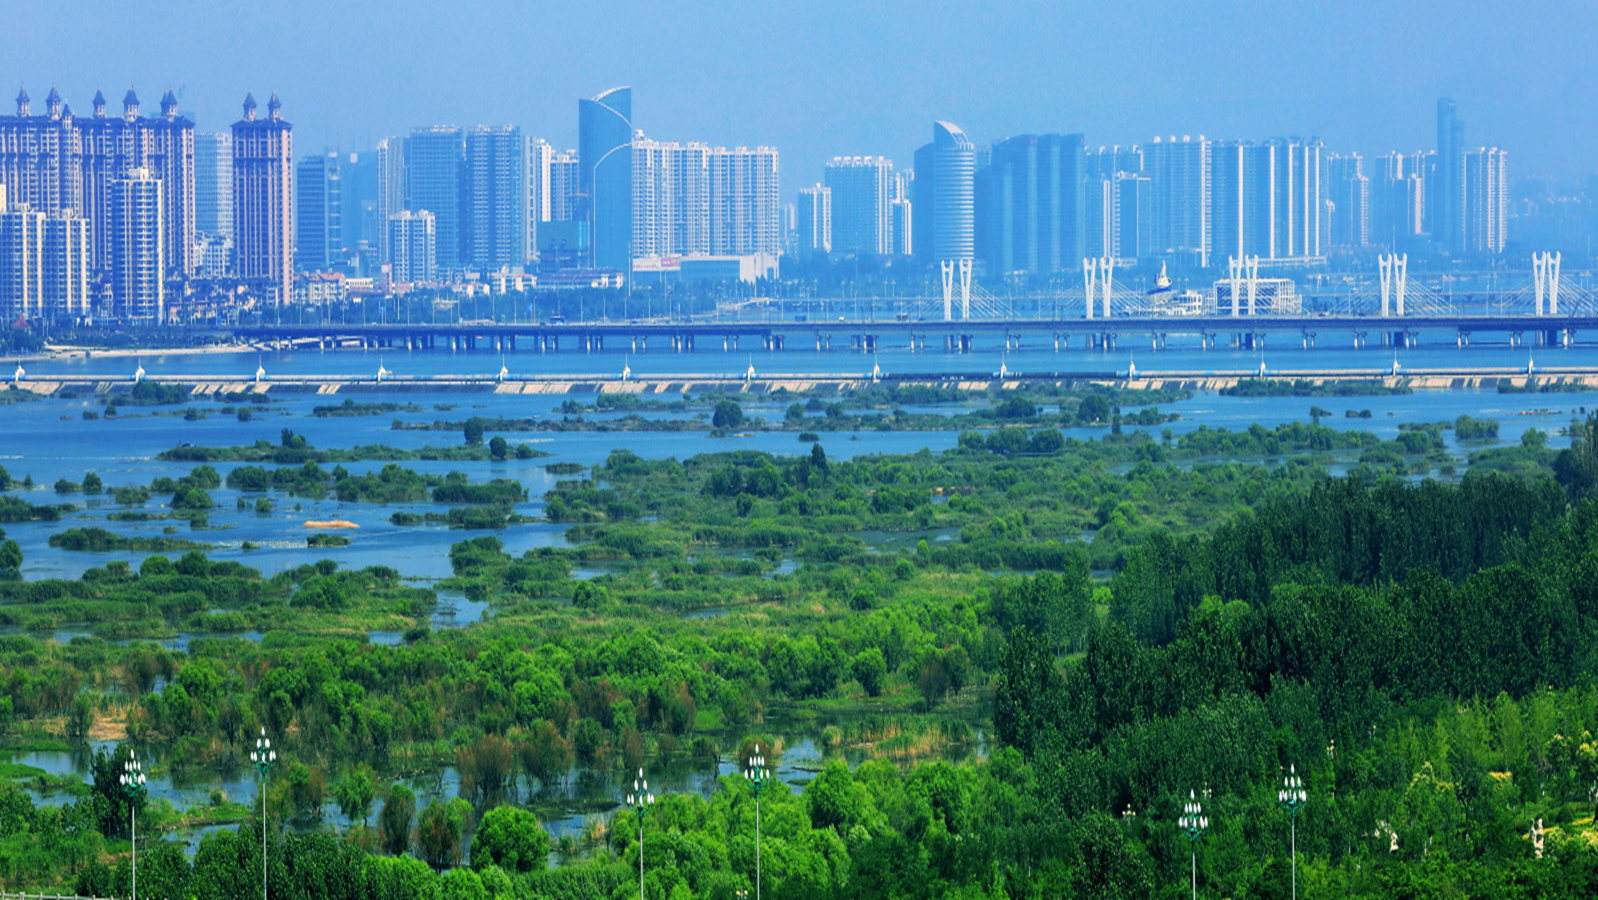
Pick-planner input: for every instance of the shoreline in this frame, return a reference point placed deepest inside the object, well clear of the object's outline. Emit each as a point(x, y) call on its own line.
point(1573, 380)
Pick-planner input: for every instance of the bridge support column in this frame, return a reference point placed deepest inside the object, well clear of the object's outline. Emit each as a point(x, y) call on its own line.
point(1462, 339)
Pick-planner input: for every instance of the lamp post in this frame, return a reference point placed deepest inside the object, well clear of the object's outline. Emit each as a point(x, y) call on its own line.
point(264, 757)
point(757, 774)
point(132, 780)
point(1292, 797)
point(1193, 824)
point(640, 800)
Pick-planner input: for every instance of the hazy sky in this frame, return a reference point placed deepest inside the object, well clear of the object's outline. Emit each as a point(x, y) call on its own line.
point(820, 77)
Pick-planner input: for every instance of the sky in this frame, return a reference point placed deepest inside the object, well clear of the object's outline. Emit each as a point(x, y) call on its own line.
point(820, 78)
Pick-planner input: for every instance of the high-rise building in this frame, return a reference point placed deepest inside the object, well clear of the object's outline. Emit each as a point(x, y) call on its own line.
point(744, 202)
point(565, 172)
point(1180, 179)
point(433, 176)
point(319, 213)
point(1296, 199)
point(862, 212)
point(263, 197)
point(21, 246)
point(945, 201)
point(40, 156)
point(213, 183)
point(1030, 204)
point(1348, 192)
point(671, 198)
point(413, 237)
point(358, 202)
point(1398, 200)
point(1486, 201)
point(390, 154)
point(813, 220)
point(605, 177)
point(112, 146)
point(1134, 207)
point(903, 228)
point(64, 266)
point(138, 247)
point(1226, 200)
point(495, 226)
point(56, 162)
point(1446, 182)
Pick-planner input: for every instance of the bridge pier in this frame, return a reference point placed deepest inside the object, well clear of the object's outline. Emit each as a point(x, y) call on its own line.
point(1462, 339)
point(1514, 339)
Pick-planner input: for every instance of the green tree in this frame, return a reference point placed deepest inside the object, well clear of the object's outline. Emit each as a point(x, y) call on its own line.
point(474, 431)
point(869, 668)
point(395, 819)
point(10, 560)
point(498, 447)
point(1094, 408)
point(511, 838)
point(92, 483)
point(439, 830)
point(727, 414)
point(354, 794)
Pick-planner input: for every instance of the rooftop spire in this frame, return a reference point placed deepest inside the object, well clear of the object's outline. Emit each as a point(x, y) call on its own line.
point(249, 106)
point(22, 101)
point(274, 107)
point(169, 104)
point(99, 103)
point(130, 104)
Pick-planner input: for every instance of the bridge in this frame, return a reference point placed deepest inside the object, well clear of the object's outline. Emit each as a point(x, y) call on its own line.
point(870, 335)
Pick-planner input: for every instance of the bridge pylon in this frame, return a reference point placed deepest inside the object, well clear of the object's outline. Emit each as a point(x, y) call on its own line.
point(1394, 273)
point(1545, 281)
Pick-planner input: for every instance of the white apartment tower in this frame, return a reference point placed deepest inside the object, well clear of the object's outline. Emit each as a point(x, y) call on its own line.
point(138, 248)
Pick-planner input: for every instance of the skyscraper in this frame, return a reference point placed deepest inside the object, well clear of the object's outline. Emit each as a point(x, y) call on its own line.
point(813, 220)
point(138, 247)
point(564, 174)
point(1295, 199)
point(358, 203)
point(165, 146)
point(413, 239)
point(56, 162)
point(1486, 201)
point(671, 198)
point(263, 198)
point(1030, 204)
point(433, 176)
point(945, 218)
point(496, 230)
point(1226, 200)
point(744, 202)
point(605, 177)
point(40, 156)
point(213, 183)
point(1398, 200)
point(390, 186)
point(319, 213)
point(1180, 179)
point(1446, 183)
point(1348, 190)
point(862, 196)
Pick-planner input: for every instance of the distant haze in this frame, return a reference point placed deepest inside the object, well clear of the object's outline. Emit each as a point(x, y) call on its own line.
point(821, 77)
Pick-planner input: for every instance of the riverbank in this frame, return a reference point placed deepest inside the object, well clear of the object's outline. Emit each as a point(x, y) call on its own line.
point(1546, 380)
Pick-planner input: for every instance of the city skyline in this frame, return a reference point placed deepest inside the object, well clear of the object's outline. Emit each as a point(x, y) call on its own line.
point(1362, 78)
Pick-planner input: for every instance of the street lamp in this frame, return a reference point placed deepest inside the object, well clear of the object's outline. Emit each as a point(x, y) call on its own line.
point(640, 800)
point(757, 774)
point(1292, 797)
point(264, 757)
point(1193, 824)
point(132, 780)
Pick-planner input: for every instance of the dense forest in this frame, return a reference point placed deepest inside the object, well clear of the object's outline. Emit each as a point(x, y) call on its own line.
point(1038, 649)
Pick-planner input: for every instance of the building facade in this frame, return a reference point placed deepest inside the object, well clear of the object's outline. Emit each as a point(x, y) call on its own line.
point(319, 213)
point(863, 189)
point(1486, 201)
point(1179, 177)
point(496, 226)
point(813, 220)
point(745, 202)
point(1030, 205)
point(263, 197)
point(605, 177)
point(434, 171)
point(138, 247)
point(413, 236)
point(945, 219)
point(213, 183)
